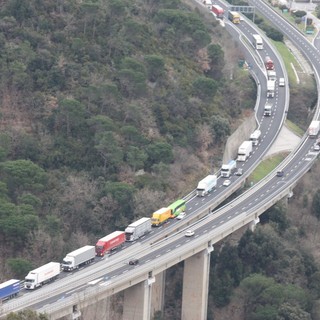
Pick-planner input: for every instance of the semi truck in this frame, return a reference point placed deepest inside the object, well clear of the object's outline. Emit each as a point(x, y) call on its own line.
point(227, 169)
point(268, 63)
point(255, 136)
point(9, 289)
point(244, 150)
point(206, 185)
point(42, 275)
point(272, 75)
point(314, 128)
point(268, 109)
point(271, 85)
point(234, 17)
point(79, 257)
point(257, 41)
point(218, 11)
point(110, 242)
point(160, 216)
point(138, 229)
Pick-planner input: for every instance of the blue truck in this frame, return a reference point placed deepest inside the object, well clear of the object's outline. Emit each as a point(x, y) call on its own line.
point(9, 289)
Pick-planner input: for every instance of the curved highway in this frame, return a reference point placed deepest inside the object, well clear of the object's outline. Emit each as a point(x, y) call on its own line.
point(112, 273)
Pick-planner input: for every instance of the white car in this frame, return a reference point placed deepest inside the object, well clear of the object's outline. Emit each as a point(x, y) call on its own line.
point(281, 82)
point(226, 182)
point(189, 233)
point(316, 147)
point(181, 215)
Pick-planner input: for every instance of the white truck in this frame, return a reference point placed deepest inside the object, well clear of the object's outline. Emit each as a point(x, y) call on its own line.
point(206, 185)
point(255, 136)
point(257, 41)
point(42, 275)
point(244, 150)
point(227, 169)
point(271, 85)
point(272, 75)
point(268, 109)
point(138, 229)
point(314, 128)
point(79, 257)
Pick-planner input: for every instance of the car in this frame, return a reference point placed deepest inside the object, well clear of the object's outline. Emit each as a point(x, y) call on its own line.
point(316, 147)
point(280, 173)
point(181, 216)
point(189, 233)
point(133, 262)
point(239, 172)
point(281, 82)
point(226, 182)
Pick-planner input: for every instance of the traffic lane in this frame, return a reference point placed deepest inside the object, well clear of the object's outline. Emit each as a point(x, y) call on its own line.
point(300, 41)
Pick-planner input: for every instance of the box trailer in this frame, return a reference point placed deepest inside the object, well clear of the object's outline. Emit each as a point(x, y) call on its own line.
point(272, 75)
point(257, 41)
point(227, 169)
point(42, 275)
point(268, 109)
point(255, 137)
point(78, 258)
point(314, 128)
point(160, 216)
point(217, 11)
point(244, 150)
point(271, 85)
point(206, 185)
point(110, 242)
point(138, 229)
point(9, 289)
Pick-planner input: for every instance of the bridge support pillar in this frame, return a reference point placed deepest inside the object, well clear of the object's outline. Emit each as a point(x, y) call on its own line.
point(157, 297)
point(253, 224)
point(137, 301)
point(195, 286)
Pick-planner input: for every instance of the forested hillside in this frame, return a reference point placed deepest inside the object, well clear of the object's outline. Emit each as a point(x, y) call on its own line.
point(109, 110)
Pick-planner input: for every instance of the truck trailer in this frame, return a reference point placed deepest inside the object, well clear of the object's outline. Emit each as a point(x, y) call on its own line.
point(110, 242)
point(244, 150)
point(79, 257)
point(272, 75)
point(217, 11)
point(268, 63)
point(206, 185)
point(271, 85)
point(42, 275)
point(160, 216)
point(268, 109)
point(257, 41)
point(138, 229)
point(234, 16)
point(255, 136)
point(314, 128)
point(9, 289)
point(227, 169)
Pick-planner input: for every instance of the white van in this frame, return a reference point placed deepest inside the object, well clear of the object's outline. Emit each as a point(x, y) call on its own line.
point(281, 82)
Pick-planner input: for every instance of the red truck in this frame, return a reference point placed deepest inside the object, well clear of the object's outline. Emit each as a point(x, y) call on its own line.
point(110, 242)
point(218, 11)
point(268, 63)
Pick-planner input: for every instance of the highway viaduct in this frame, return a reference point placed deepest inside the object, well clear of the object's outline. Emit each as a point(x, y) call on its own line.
point(144, 289)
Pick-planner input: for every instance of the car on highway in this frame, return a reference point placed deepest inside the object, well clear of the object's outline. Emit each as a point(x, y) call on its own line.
point(239, 172)
point(281, 82)
point(189, 233)
point(226, 183)
point(133, 262)
point(280, 173)
point(181, 216)
point(316, 147)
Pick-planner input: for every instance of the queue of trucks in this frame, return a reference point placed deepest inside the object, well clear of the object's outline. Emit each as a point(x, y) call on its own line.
point(78, 258)
point(138, 229)
point(228, 169)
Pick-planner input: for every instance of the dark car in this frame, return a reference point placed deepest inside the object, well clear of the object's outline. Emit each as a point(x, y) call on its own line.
point(280, 173)
point(133, 262)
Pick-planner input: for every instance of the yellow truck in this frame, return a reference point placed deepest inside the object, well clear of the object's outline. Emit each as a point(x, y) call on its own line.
point(160, 216)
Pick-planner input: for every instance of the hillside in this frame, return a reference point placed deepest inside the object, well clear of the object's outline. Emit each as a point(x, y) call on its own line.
point(109, 110)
